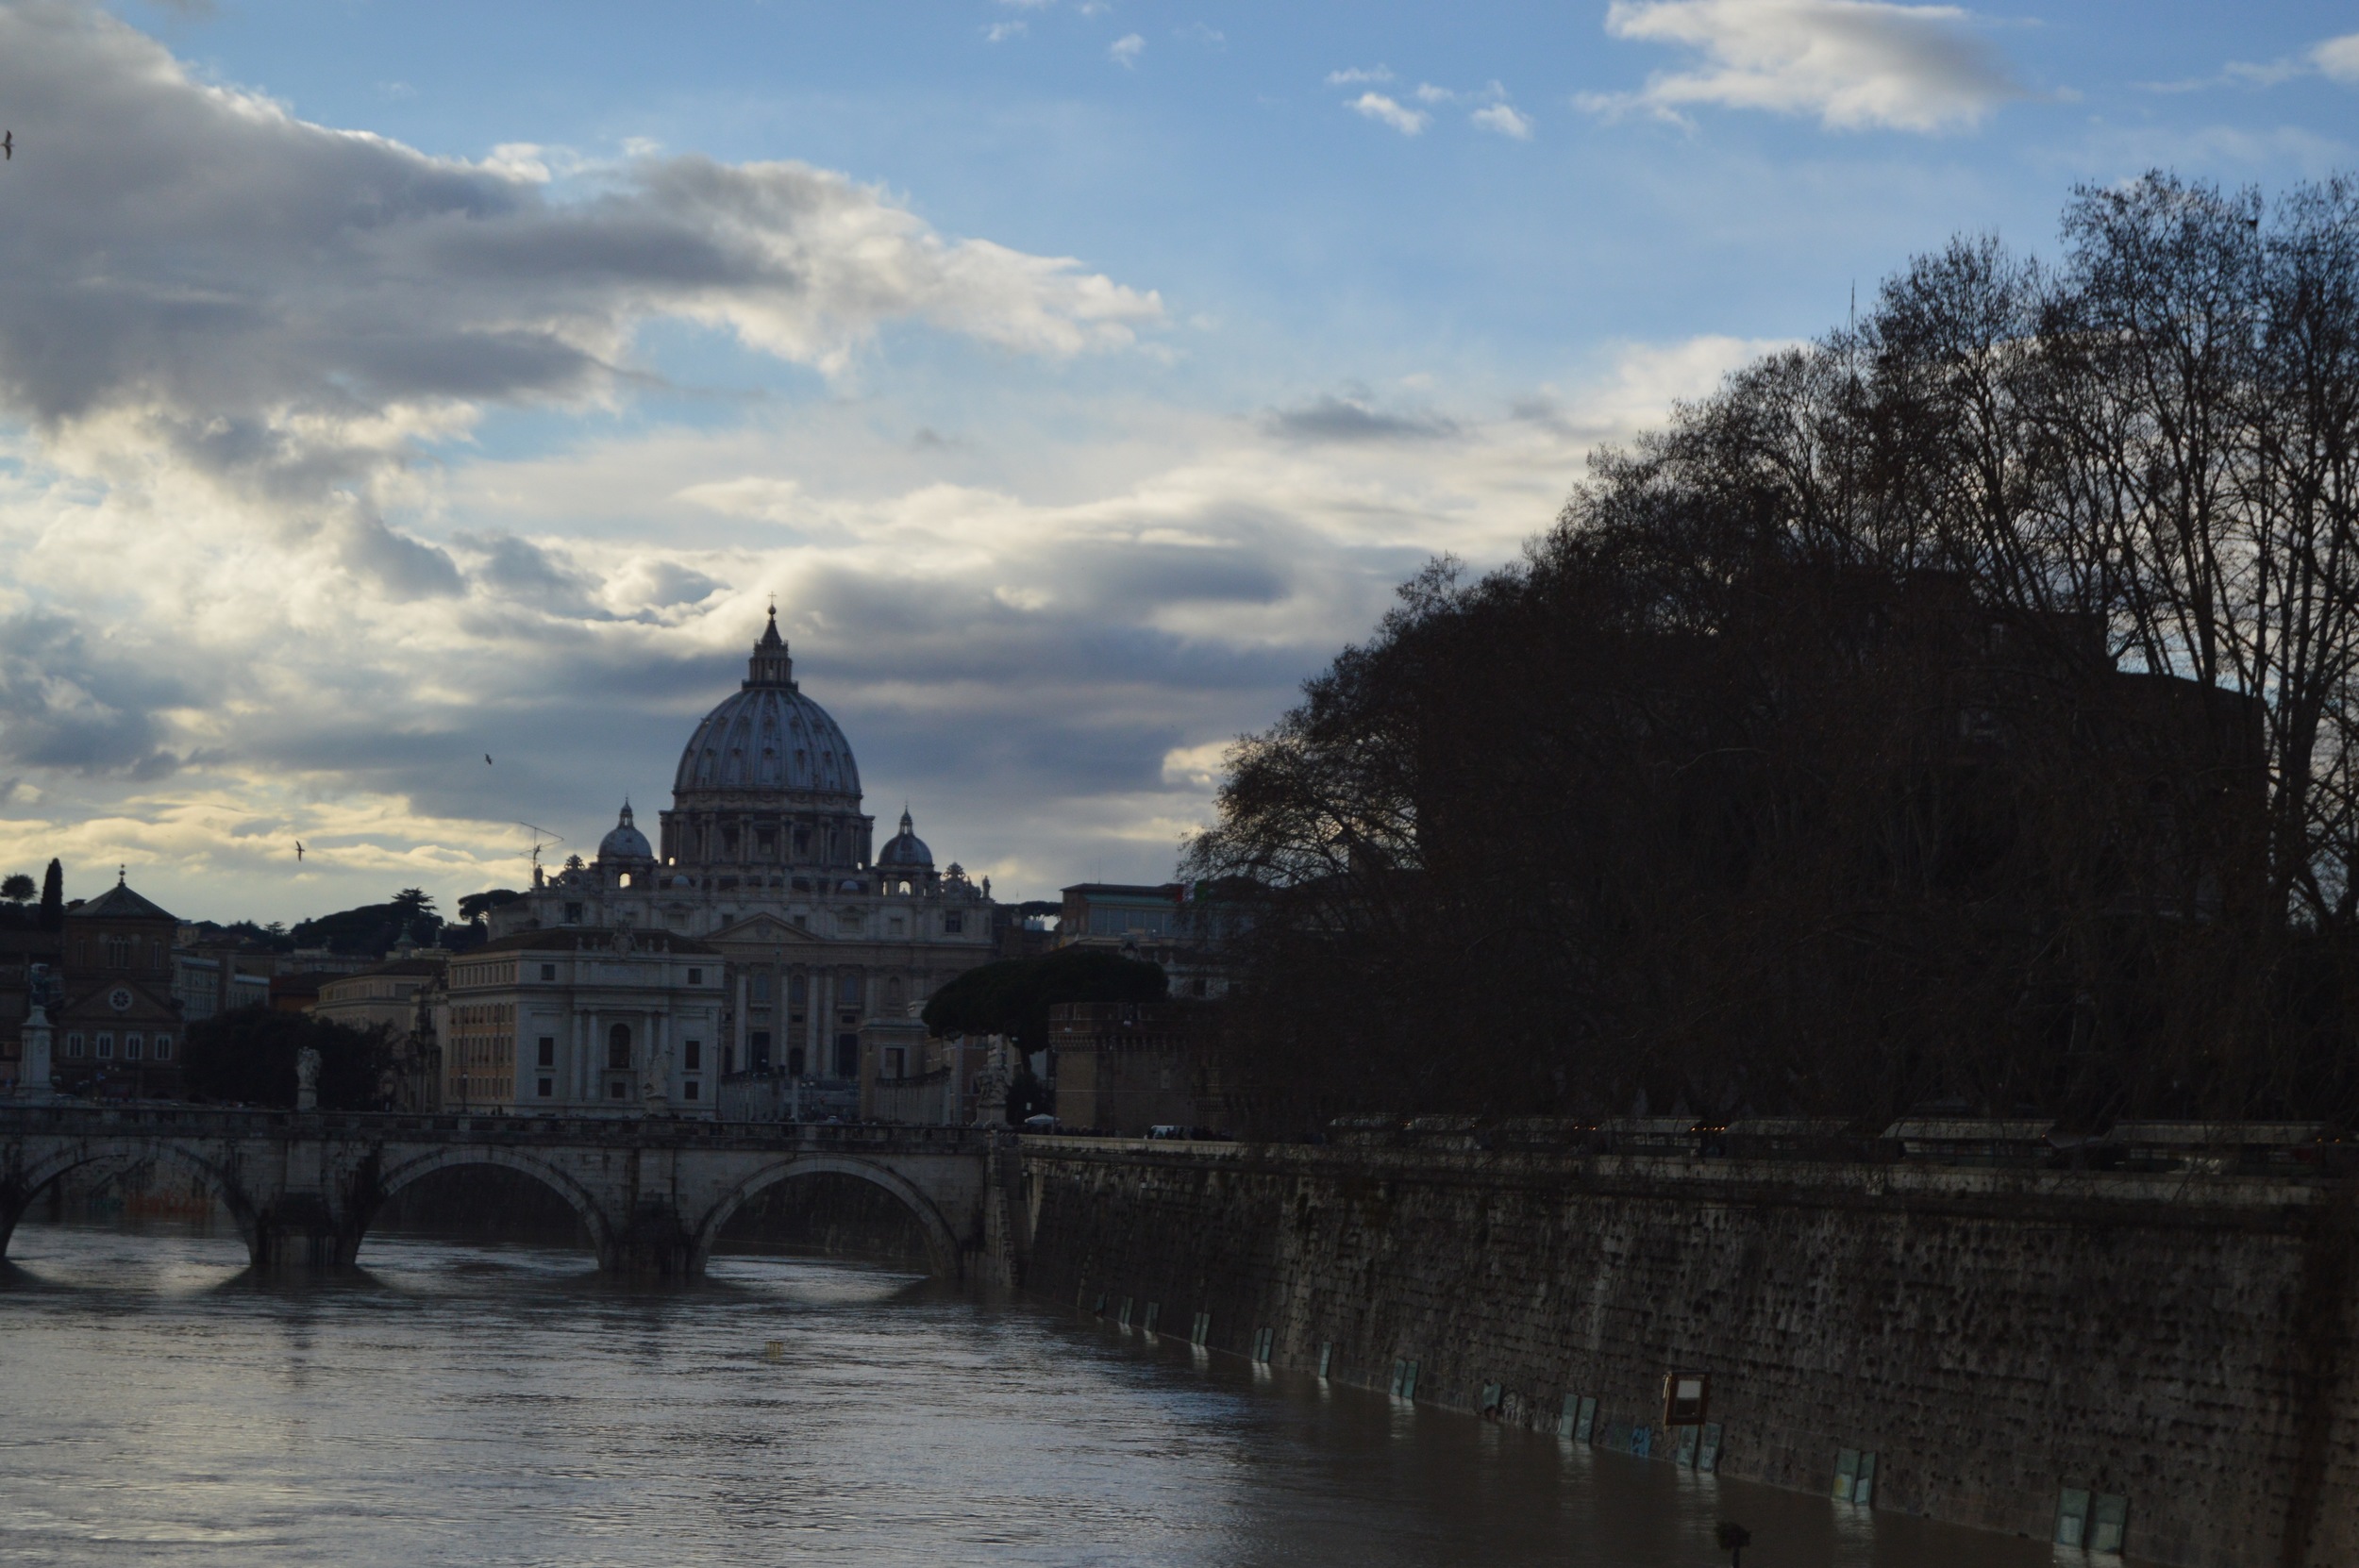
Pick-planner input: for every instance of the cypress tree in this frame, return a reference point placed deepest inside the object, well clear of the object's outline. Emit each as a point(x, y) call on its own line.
point(53, 895)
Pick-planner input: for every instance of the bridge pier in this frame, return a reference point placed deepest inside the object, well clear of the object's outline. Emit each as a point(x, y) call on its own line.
point(653, 1244)
point(301, 1233)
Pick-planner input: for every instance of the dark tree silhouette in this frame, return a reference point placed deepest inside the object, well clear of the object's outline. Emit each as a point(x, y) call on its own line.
point(1959, 710)
point(248, 1057)
point(1013, 996)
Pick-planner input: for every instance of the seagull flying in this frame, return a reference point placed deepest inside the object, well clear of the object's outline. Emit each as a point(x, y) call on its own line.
point(8, 145)
point(487, 759)
point(299, 852)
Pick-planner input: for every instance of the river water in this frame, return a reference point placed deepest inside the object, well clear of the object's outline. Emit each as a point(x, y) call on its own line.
point(492, 1404)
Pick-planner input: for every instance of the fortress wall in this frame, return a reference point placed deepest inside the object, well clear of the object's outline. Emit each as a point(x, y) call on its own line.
point(1992, 1335)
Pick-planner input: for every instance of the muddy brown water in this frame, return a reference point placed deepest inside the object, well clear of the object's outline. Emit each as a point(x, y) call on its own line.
point(469, 1402)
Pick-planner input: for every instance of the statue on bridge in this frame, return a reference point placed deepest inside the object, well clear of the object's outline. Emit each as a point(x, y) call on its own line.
point(655, 1088)
point(308, 1079)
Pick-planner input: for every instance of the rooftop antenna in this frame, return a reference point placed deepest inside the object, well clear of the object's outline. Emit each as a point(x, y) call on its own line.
point(539, 834)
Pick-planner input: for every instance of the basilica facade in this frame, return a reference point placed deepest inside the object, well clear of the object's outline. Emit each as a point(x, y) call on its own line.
point(828, 945)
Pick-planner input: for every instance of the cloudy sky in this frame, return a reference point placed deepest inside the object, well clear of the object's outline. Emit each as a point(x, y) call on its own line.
point(386, 385)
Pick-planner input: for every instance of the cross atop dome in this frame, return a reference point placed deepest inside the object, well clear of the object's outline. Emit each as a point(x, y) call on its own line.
point(770, 665)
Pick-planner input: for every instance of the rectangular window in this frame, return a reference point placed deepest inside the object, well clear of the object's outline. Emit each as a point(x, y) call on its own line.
point(895, 1056)
point(133, 1047)
point(549, 972)
point(74, 1045)
point(616, 1090)
point(695, 976)
point(954, 924)
point(849, 920)
point(548, 1051)
point(118, 952)
point(692, 1056)
point(573, 914)
point(163, 1048)
point(846, 1056)
point(847, 991)
point(757, 1050)
point(757, 986)
point(894, 927)
point(798, 990)
point(687, 1090)
point(547, 1089)
point(107, 1046)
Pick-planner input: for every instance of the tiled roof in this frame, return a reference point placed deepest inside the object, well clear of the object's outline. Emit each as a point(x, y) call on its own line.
point(118, 903)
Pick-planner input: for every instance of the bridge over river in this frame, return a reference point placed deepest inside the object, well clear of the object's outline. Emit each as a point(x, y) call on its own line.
point(653, 1192)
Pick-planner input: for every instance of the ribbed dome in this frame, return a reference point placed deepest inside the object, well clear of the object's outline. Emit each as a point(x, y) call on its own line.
point(623, 841)
point(768, 736)
point(905, 850)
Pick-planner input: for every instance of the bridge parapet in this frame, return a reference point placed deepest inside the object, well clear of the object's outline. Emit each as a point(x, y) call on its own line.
point(653, 1193)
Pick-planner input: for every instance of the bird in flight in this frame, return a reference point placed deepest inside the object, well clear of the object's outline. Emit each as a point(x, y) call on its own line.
point(8, 145)
point(299, 852)
point(487, 759)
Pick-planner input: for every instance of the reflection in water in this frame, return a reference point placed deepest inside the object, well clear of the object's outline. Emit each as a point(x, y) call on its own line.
point(481, 1403)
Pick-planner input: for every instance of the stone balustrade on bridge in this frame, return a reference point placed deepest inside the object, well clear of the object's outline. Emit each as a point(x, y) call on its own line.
point(653, 1192)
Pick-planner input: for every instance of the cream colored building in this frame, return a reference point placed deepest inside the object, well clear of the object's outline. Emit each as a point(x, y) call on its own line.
point(584, 1022)
point(386, 995)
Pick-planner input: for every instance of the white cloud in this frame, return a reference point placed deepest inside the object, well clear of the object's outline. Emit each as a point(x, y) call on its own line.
point(263, 586)
point(1196, 32)
point(1428, 93)
point(1196, 767)
point(1126, 50)
point(1358, 75)
point(1503, 118)
point(204, 292)
point(1375, 105)
point(999, 32)
point(2338, 58)
point(1853, 63)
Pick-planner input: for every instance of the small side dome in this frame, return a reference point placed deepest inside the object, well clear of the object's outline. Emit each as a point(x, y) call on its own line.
point(906, 851)
point(624, 842)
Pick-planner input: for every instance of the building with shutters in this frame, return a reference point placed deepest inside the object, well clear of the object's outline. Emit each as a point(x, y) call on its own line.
point(583, 1022)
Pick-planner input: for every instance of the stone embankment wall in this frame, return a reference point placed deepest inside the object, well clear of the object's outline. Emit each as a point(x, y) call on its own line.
point(1992, 1335)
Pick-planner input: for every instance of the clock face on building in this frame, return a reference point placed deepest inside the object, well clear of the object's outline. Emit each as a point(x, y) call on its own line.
point(119, 998)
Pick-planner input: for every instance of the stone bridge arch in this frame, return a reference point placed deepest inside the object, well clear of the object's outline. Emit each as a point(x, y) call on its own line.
point(605, 1230)
point(942, 1243)
point(19, 1189)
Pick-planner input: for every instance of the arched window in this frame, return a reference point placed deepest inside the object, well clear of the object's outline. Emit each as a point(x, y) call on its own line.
point(618, 1045)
